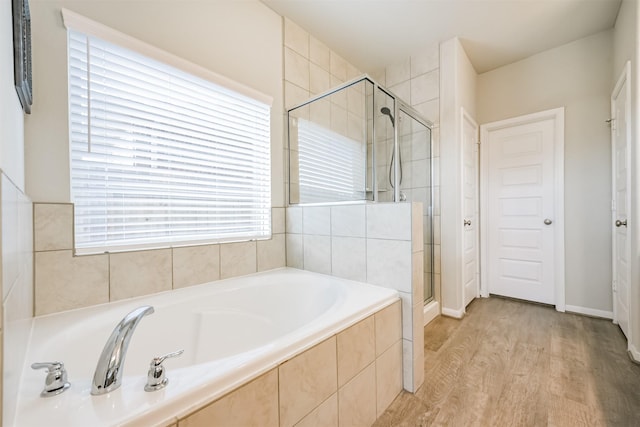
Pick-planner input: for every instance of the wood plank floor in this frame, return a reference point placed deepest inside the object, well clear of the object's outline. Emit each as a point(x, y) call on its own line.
point(510, 363)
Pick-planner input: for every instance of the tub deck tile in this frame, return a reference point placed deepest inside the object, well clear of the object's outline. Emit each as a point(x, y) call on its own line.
point(307, 380)
point(254, 404)
point(325, 415)
point(356, 349)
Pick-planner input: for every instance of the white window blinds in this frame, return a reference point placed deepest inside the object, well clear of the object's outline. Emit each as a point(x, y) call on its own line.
point(332, 166)
point(160, 157)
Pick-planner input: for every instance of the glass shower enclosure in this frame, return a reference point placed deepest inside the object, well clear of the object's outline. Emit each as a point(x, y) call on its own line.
point(360, 142)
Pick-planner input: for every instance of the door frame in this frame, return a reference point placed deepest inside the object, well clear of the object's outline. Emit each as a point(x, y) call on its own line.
point(465, 116)
point(557, 114)
point(624, 78)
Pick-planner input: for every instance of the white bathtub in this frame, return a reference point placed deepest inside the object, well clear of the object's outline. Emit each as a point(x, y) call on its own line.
point(231, 331)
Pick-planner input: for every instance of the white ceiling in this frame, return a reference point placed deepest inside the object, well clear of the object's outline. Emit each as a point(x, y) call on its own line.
point(374, 33)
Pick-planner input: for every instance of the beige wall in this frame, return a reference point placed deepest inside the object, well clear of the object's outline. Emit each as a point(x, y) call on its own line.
point(11, 116)
point(458, 90)
point(16, 257)
point(625, 48)
point(240, 40)
point(578, 77)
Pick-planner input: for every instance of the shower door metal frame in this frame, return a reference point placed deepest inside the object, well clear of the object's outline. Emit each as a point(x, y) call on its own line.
point(321, 95)
point(415, 115)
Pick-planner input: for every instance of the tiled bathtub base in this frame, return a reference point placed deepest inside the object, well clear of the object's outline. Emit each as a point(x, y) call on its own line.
point(348, 379)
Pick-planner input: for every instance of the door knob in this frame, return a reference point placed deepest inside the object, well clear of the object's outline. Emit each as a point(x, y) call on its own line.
point(467, 222)
point(547, 221)
point(620, 223)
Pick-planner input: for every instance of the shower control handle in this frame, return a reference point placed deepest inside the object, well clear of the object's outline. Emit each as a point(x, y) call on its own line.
point(621, 223)
point(467, 222)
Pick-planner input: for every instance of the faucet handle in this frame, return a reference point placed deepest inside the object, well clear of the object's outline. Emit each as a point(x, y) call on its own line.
point(156, 378)
point(158, 360)
point(56, 381)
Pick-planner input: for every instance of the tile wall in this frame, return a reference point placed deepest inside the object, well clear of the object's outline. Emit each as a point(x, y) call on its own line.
point(417, 81)
point(16, 266)
point(64, 281)
point(377, 243)
point(311, 68)
point(338, 244)
point(347, 380)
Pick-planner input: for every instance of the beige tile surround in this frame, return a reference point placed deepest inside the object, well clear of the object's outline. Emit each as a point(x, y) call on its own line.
point(16, 283)
point(417, 80)
point(311, 68)
point(64, 281)
point(251, 404)
point(305, 390)
point(385, 248)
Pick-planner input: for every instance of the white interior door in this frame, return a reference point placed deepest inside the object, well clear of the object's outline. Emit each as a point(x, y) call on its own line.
point(621, 174)
point(521, 190)
point(471, 262)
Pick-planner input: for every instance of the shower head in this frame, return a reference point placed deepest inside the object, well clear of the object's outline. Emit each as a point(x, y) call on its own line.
point(387, 112)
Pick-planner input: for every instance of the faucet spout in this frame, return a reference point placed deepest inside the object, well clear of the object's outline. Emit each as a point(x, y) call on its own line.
point(108, 374)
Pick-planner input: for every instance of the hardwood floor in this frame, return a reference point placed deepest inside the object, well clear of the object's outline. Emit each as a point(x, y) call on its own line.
point(510, 363)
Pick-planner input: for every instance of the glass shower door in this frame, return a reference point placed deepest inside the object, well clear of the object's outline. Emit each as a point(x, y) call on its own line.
point(414, 176)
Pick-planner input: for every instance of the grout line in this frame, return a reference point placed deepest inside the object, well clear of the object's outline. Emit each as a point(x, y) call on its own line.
point(331, 248)
point(219, 262)
point(172, 271)
point(277, 369)
point(109, 276)
point(366, 247)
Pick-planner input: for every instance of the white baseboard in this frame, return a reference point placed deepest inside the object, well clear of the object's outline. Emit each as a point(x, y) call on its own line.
point(589, 311)
point(431, 311)
point(458, 314)
point(634, 353)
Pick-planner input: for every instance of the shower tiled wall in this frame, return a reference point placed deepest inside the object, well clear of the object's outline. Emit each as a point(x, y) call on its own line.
point(416, 80)
point(377, 243)
point(311, 68)
point(16, 279)
point(64, 281)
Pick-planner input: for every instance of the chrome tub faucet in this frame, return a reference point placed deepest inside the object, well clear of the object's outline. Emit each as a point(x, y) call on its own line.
point(108, 374)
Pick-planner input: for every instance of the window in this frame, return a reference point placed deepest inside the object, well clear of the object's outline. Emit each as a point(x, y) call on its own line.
point(161, 157)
